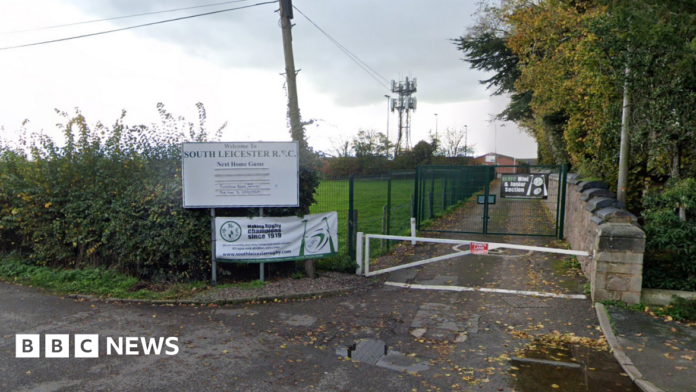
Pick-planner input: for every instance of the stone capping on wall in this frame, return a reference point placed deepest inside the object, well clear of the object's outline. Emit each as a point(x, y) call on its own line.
point(601, 202)
point(596, 222)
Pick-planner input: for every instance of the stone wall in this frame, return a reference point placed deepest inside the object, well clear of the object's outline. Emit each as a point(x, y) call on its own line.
point(595, 222)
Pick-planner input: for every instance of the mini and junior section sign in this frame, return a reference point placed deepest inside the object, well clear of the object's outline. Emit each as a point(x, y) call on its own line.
point(240, 174)
point(524, 186)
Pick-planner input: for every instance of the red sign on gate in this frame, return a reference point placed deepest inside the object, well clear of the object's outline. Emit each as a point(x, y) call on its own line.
point(479, 248)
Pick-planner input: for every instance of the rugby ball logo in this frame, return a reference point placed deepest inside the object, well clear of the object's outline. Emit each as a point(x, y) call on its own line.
point(317, 240)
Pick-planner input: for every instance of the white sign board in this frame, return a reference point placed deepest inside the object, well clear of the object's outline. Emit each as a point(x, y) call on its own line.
point(240, 174)
point(490, 158)
point(268, 239)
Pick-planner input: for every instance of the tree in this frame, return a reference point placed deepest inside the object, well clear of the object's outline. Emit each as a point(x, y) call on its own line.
point(369, 142)
point(370, 149)
point(485, 49)
point(454, 143)
point(571, 68)
point(340, 147)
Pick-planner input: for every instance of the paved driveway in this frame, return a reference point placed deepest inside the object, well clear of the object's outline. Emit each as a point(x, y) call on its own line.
point(446, 340)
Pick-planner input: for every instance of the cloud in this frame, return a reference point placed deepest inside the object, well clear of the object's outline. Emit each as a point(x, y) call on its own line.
point(395, 38)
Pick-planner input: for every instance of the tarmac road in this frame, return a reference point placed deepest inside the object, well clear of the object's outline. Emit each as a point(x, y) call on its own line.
point(439, 340)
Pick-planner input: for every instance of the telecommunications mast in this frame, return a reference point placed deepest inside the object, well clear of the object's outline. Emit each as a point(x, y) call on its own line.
point(404, 104)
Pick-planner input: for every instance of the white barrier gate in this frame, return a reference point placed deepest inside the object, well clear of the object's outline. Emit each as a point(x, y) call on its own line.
point(363, 260)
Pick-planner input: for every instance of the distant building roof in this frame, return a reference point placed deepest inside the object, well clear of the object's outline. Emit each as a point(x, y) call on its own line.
point(492, 153)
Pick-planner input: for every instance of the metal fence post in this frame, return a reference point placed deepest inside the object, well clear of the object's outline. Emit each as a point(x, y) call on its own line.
point(356, 225)
point(444, 192)
point(431, 200)
point(351, 224)
point(389, 196)
point(564, 185)
point(485, 201)
point(415, 212)
point(384, 227)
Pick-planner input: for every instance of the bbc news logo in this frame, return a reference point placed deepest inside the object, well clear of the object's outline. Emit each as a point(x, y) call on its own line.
point(87, 346)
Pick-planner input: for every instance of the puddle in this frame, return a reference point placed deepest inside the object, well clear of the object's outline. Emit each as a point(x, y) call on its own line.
point(569, 368)
point(376, 353)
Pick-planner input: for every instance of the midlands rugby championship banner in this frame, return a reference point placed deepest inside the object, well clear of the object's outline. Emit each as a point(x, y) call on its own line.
point(524, 186)
point(264, 240)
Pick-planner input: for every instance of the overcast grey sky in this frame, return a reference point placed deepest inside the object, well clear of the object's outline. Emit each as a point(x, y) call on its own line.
point(231, 62)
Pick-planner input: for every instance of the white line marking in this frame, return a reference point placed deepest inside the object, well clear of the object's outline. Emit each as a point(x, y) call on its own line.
point(485, 290)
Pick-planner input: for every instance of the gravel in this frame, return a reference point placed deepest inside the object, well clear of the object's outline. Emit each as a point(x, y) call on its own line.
point(326, 281)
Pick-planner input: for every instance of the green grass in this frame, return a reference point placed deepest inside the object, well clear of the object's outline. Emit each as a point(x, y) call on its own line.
point(370, 197)
point(90, 281)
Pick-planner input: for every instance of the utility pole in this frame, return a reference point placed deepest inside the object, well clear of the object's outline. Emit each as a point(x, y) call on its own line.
point(296, 130)
point(623, 152)
point(388, 105)
point(466, 141)
point(286, 14)
point(435, 125)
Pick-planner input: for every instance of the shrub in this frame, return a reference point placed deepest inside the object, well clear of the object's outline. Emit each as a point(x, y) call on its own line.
point(670, 258)
point(109, 198)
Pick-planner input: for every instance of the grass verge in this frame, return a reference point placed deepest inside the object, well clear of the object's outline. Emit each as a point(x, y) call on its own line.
point(682, 310)
point(90, 281)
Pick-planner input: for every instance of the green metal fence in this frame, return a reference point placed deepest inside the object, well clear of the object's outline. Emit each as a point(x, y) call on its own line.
point(385, 203)
point(440, 187)
point(487, 209)
point(370, 204)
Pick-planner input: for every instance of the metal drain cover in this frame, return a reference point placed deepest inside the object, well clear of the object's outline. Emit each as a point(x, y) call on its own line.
point(526, 302)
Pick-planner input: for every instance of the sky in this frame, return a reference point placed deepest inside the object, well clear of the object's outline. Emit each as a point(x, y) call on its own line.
point(232, 63)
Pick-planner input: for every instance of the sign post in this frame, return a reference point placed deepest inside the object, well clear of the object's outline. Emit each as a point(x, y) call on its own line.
point(239, 174)
point(261, 270)
point(213, 261)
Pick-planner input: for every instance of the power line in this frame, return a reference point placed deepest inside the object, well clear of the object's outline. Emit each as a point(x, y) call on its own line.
point(136, 26)
point(348, 53)
point(119, 17)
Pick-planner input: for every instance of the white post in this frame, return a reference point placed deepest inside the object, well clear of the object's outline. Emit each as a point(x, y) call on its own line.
point(413, 231)
point(359, 253)
point(367, 256)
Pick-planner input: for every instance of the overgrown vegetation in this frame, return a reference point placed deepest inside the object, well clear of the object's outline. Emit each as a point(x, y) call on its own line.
point(680, 309)
point(109, 199)
point(566, 66)
point(91, 281)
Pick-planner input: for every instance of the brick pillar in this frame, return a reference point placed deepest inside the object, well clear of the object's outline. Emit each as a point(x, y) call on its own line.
point(618, 263)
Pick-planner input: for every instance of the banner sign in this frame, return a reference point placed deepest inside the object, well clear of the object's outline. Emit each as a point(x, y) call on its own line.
point(268, 239)
point(240, 174)
point(524, 186)
point(478, 248)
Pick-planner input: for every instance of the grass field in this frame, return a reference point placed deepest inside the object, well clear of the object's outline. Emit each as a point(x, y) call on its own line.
point(370, 198)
